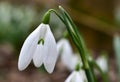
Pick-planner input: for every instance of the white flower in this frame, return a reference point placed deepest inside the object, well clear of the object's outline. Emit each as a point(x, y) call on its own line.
point(67, 57)
point(102, 63)
point(41, 53)
point(65, 50)
point(77, 76)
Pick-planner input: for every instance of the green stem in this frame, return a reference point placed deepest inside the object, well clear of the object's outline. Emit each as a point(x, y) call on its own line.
point(92, 69)
point(52, 10)
point(46, 16)
point(78, 41)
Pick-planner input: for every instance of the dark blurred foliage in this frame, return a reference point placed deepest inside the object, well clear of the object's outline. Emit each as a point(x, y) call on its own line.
point(15, 23)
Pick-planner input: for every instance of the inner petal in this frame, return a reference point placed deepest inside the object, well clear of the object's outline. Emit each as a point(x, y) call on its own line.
point(39, 55)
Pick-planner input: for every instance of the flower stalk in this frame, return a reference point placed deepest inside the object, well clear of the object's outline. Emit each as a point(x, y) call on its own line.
point(78, 41)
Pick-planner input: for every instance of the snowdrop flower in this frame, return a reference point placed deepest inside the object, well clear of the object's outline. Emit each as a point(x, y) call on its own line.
point(67, 57)
point(77, 76)
point(40, 46)
point(65, 50)
point(102, 63)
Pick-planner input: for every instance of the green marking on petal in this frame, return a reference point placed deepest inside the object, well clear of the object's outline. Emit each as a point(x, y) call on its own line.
point(41, 41)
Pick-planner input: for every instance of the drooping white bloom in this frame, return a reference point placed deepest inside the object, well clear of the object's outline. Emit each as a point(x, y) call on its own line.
point(43, 53)
point(77, 76)
point(65, 50)
point(102, 63)
point(68, 58)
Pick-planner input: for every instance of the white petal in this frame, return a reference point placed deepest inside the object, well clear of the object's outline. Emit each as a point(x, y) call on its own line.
point(75, 76)
point(60, 44)
point(50, 51)
point(102, 62)
point(67, 57)
point(65, 46)
point(39, 55)
point(28, 49)
point(66, 52)
point(83, 75)
point(42, 31)
point(74, 61)
point(78, 78)
point(71, 76)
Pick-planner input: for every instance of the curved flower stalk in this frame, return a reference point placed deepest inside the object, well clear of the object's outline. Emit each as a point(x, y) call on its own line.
point(77, 76)
point(68, 58)
point(40, 46)
point(79, 42)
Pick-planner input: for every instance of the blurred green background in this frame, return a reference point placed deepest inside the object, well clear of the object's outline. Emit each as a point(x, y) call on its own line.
point(97, 20)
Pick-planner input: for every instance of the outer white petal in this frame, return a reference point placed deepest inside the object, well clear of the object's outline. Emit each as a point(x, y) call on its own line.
point(65, 46)
point(65, 51)
point(78, 78)
point(71, 76)
point(39, 55)
point(102, 62)
point(74, 61)
point(83, 75)
point(60, 44)
point(68, 58)
point(50, 51)
point(28, 49)
point(75, 76)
